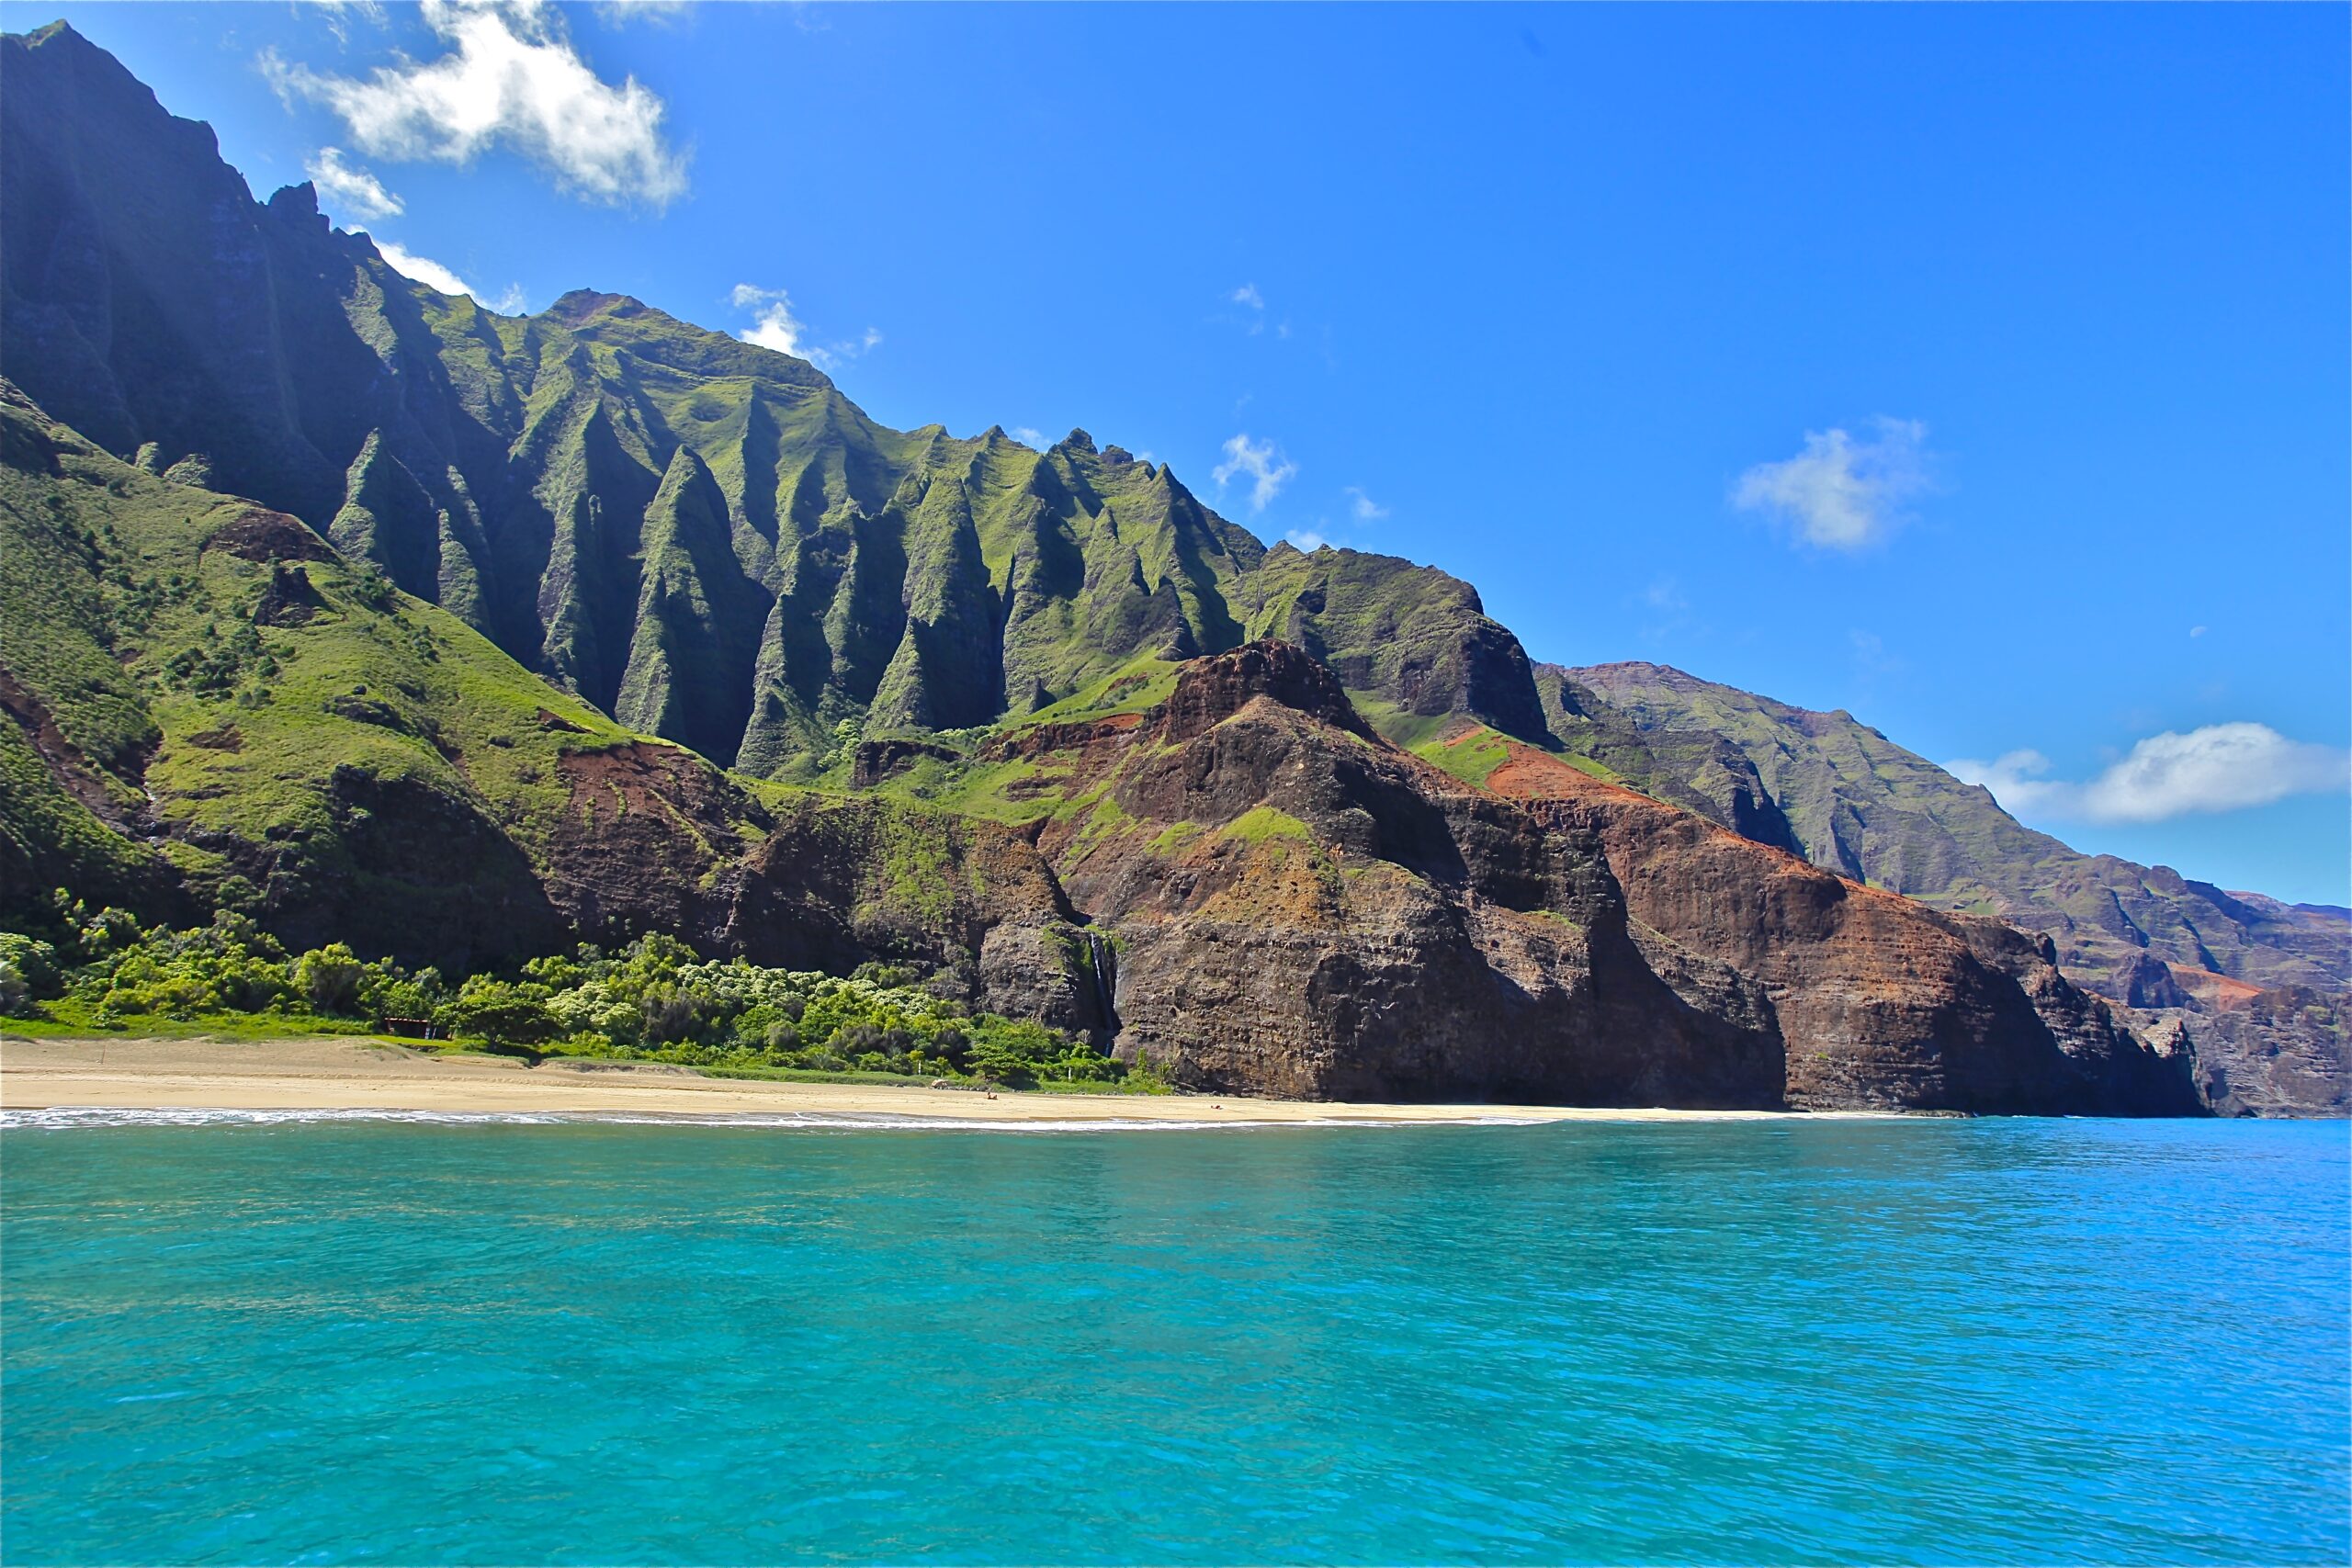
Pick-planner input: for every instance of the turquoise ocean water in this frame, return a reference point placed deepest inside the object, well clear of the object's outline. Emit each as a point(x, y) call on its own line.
point(2007, 1341)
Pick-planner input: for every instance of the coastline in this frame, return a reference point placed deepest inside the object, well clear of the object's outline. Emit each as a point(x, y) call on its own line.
point(369, 1075)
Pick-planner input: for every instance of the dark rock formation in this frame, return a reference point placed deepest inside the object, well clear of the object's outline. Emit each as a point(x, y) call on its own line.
point(1301, 909)
point(2260, 1052)
point(1883, 1001)
point(878, 761)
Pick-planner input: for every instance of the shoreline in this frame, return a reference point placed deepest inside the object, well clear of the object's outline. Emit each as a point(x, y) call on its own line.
point(364, 1076)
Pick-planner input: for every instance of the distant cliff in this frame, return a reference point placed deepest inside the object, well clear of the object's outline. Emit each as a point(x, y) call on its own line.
point(1848, 799)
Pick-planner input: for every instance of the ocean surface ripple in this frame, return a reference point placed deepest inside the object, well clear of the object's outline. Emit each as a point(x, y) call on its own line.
point(269, 1339)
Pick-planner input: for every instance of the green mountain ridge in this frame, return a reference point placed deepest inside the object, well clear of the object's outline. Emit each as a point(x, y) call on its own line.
point(704, 538)
point(213, 710)
point(1214, 861)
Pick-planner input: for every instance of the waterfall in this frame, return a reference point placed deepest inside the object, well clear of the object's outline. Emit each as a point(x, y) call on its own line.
point(1103, 962)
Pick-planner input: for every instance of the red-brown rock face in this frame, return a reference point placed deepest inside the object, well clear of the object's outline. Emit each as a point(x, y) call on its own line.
point(1883, 1001)
point(1301, 909)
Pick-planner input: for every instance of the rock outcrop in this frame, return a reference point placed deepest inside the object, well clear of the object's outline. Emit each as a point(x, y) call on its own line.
point(1885, 1002)
point(1302, 908)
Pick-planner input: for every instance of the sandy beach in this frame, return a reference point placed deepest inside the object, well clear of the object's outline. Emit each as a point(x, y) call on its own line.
point(346, 1074)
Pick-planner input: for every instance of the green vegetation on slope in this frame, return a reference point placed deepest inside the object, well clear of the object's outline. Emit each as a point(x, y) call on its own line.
point(1471, 754)
point(226, 702)
point(654, 1000)
point(702, 538)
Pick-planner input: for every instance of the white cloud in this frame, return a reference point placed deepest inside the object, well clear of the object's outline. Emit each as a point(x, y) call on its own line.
point(2221, 767)
point(775, 326)
point(1842, 493)
point(1029, 436)
point(1307, 539)
point(339, 11)
point(434, 275)
point(1267, 468)
point(1248, 299)
point(1870, 655)
point(350, 190)
point(430, 273)
point(1366, 509)
point(511, 76)
point(2014, 778)
point(1666, 609)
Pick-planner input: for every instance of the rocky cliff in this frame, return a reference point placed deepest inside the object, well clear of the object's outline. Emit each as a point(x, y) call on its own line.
point(1299, 906)
point(1843, 795)
point(1217, 861)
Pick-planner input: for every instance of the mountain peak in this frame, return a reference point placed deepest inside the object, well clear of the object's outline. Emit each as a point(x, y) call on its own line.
point(55, 55)
point(1213, 689)
point(580, 304)
point(1642, 672)
point(298, 206)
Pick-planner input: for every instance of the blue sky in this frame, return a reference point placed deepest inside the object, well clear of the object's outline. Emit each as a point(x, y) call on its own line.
point(1980, 369)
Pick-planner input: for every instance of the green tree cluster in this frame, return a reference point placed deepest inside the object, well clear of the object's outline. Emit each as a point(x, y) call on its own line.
point(654, 999)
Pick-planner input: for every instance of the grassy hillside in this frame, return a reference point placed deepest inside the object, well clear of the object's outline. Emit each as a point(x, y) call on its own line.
point(221, 698)
point(211, 709)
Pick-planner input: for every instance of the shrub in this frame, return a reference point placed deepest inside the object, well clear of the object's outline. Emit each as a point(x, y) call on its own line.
point(330, 978)
point(370, 587)
point(669, 1015)
point(34, 963)
point(109, 929)
point(394, 992)
point(500, 1011)
point(653, 998)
